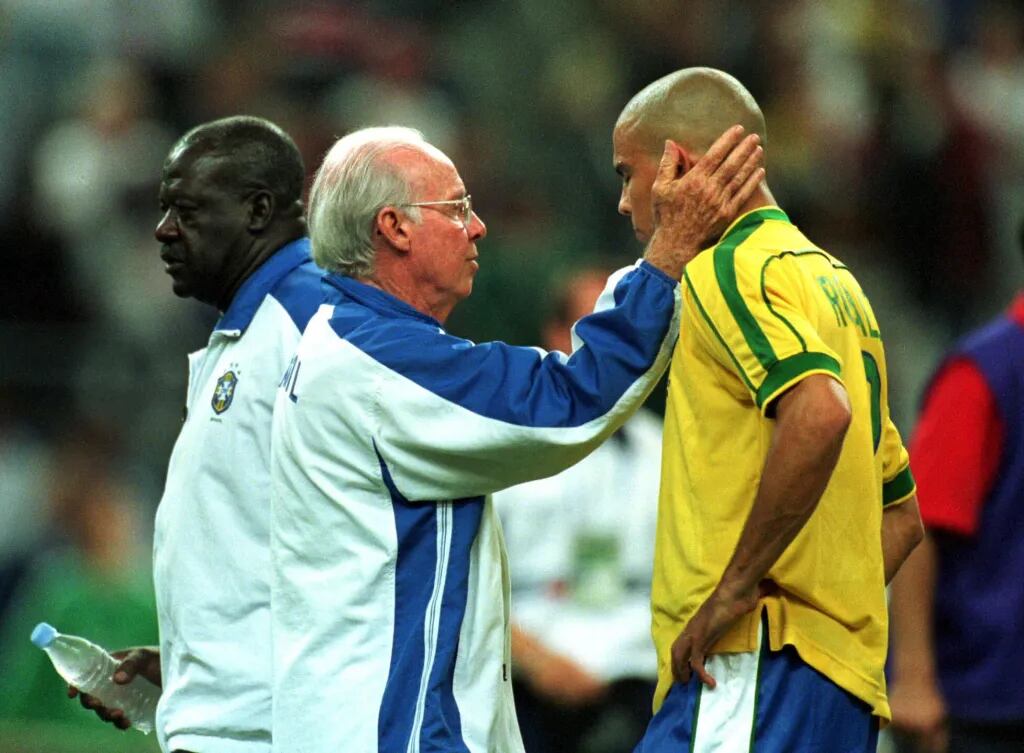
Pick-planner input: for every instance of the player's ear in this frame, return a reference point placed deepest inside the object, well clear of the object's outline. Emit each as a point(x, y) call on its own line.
point(687, 159)
point(392, 227)
point(261, 210)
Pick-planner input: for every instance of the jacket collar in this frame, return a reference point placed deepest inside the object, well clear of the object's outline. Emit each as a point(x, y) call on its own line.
point(377, 299)
point(250, 295)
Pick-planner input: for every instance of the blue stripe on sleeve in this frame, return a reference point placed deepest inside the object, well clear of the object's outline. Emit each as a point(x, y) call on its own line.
point(416, 528)
point(442, 721)
point(516, 384)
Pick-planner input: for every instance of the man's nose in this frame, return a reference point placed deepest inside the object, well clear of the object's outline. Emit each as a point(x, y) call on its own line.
point(477, 229)
point(624, 207)
point(166, 229)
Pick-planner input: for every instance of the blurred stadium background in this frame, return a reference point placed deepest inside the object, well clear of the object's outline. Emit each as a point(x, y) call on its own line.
point(896, 141)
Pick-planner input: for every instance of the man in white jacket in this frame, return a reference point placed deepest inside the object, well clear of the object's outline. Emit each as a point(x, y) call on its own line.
point(231, 235)
point(390, 592)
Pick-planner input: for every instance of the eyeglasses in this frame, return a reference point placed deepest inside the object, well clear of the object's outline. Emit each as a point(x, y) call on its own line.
point(464, 205)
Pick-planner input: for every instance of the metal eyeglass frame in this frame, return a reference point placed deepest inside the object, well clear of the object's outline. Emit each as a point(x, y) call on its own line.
point(465, 205)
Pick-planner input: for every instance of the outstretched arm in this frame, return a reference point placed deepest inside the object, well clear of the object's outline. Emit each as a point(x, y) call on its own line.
point(812, 419)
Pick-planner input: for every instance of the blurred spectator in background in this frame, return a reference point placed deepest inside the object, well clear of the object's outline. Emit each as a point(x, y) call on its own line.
point(24, 468)
point(958, 604)
point(581, 547)
point(89, 578)
point(94, 178)
point(986, 77)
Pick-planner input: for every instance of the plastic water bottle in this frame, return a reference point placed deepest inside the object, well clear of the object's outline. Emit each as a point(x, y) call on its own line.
point(89, 668)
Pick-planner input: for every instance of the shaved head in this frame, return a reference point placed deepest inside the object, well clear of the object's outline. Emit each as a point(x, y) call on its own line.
point(692, 107)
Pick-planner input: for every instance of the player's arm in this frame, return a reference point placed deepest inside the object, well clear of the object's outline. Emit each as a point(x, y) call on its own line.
point(902, 530)
point(811, 422)
point(917, 704)
point(453, 419)
point(552, 675)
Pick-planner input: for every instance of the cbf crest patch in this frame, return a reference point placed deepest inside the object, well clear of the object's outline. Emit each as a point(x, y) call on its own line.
point(224, 392)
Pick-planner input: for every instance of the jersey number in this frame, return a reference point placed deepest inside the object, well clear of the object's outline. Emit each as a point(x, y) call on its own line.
point(875, 386)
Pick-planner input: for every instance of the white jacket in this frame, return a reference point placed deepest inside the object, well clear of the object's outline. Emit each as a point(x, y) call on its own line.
point(390, 598)
point(211, 547)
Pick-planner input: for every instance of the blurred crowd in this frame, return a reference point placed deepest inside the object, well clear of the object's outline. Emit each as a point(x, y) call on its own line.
point(896, 140)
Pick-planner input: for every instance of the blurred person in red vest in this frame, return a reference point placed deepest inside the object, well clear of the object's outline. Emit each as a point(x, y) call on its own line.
point(958, 603)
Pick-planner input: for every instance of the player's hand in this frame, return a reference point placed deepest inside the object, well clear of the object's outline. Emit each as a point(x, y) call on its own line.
point(919, 711)
point(563, 681)
point(552, 675)
point(708, 624)
point(693, 207)
point(141, 661)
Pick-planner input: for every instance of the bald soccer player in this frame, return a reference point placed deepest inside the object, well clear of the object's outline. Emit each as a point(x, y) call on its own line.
point(786, 498)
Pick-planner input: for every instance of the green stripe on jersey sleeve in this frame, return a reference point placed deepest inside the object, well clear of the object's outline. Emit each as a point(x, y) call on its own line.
point(897, 489)
point(788, 370)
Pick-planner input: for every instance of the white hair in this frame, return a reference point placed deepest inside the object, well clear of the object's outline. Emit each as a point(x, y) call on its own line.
point(351, 186)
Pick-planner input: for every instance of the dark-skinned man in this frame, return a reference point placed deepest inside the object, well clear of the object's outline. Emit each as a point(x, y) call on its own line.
point(232, 235)
point(786, 500)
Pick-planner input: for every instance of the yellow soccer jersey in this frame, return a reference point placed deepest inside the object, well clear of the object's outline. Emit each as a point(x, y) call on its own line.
point(761, 311)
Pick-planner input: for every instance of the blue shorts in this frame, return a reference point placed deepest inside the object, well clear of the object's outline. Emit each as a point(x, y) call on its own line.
point(764, 702)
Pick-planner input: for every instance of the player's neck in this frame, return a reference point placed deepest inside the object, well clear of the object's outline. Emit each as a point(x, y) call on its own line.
point(762, 197)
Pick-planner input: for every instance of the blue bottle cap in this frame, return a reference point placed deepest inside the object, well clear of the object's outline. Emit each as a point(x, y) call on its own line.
point(44, 634)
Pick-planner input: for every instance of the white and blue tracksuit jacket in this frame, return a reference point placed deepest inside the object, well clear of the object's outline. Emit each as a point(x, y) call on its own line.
point(211, 548)
point(390, 596)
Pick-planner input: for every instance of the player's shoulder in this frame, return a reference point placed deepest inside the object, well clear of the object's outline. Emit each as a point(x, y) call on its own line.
point(729, 263)
point(388, 337)
point(300, 293)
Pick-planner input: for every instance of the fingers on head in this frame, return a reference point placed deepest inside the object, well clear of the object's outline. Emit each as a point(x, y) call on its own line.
point(744, 171)
point(669, 159)
point(723, 147)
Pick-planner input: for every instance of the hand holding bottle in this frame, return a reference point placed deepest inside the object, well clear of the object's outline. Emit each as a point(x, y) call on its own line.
point(122, 690)
point(141, 661)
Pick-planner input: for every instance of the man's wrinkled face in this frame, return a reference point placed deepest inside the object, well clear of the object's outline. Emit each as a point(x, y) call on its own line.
point(204, 224)
point(638, 168)
point(443, 248)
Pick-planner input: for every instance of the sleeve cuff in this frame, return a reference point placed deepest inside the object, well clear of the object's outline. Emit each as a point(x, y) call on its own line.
point(648, 267)
point(899, 488)
point(789, 371)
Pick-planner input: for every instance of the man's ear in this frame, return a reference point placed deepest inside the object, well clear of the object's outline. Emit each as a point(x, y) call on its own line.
point(392, 228)
point(687, 158)
point(261, 210)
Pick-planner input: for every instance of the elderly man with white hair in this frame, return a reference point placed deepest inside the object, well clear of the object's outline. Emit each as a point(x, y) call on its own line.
point(390, 595)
